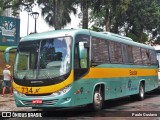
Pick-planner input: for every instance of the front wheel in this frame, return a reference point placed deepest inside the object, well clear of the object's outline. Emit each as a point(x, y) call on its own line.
point(97, 99)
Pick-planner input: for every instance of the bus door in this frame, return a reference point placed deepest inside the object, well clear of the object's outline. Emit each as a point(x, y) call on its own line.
point(81, 67)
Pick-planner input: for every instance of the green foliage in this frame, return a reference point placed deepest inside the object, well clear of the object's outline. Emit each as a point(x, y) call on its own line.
point(15, 5)
point(142, 39)
point(94, 28)
point(112, 13)
point(143, 16)
point(133, 36)
point(97, 18)
point(135, 18)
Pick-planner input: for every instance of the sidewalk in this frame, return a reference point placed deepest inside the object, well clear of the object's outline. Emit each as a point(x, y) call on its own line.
point(7, 104)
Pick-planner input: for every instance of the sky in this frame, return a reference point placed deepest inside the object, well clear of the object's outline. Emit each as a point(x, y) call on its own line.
point(41, 24)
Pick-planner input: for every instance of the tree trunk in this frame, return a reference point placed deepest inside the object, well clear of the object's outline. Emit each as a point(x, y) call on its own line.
point(85, 14)
point(107, 20)
point(107, 16)
point(116, 27)
point(57, 20)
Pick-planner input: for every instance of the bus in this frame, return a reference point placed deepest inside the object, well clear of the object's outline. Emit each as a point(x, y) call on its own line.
point(77, 67)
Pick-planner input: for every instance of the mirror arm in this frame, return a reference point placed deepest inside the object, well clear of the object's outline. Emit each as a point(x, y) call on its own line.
point(86, 45)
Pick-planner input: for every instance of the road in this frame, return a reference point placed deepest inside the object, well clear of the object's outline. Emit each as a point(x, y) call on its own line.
point(118, 109)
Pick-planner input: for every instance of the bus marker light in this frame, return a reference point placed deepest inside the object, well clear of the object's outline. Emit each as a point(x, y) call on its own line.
point(78, 91)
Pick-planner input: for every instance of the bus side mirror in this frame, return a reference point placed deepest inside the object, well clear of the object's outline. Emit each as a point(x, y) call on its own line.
point(82, 48)
point(83, 54)
point(6, 53)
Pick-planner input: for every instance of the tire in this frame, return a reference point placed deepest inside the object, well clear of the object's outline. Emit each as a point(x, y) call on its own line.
point(97, 99)
point(141, 93)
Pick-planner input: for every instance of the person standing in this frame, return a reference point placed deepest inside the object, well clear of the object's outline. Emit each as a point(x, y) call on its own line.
point(7, 77)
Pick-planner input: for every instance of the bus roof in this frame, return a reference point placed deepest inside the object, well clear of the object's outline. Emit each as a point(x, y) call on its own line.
point(73, 32)
point(54, 34)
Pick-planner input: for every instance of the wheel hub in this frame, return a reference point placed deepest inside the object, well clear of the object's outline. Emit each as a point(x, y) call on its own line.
point(98, 98)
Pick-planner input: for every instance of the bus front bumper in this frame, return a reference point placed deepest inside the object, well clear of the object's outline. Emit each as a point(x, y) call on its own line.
point(43, 101)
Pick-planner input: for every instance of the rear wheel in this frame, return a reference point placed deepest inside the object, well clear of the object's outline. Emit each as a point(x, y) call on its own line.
point(141, 91)
point(97, 99)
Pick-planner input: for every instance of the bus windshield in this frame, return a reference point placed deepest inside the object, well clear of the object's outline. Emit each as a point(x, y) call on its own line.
point(43, 59)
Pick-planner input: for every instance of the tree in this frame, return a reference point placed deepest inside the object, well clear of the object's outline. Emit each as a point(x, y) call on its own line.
point(134, 18)
point(84, 8)
point(143, 17)
point(98, 6)
point(57, 12)
point(118, 14)
point(112, 13)
point(97, 20)
point(84, 4)
point(5, 4)
point(15, 5)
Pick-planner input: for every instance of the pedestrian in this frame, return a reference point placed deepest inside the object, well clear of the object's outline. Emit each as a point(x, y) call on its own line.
point(7, 77)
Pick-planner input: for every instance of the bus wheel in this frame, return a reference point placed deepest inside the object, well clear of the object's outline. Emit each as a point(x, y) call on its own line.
point(141, 91)
point(97, 99)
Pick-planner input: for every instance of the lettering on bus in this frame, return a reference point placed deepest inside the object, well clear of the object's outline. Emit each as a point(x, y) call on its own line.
point(81, 89)
point(27, 90)
point(133, 72)
point(129, 84)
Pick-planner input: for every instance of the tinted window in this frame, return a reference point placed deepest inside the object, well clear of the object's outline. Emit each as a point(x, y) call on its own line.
point(145, 56)
point(127, 54)
point(137, 55)
point(115, 52)
point(152, 55)
point(100, 52)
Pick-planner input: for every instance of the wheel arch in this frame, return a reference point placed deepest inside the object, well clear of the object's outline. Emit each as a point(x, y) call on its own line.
point(102, 85)
point(143, 82)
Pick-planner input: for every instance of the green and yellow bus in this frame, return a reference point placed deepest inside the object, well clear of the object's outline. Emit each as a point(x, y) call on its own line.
point(68, 68)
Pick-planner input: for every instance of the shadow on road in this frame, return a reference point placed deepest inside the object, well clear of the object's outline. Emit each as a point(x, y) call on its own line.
point(111, 108)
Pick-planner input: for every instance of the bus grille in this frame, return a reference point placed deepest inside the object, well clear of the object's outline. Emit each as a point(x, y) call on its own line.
point(45, 102)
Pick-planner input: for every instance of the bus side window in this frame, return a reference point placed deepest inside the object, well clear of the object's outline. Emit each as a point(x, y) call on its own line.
point(152, 55)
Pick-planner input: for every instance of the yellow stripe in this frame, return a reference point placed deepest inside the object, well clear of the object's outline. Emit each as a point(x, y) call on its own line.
point(93, 73)
point(119, 72)
point(44, 89)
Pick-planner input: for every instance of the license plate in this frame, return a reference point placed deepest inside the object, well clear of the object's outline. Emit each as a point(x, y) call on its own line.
point(39, 101)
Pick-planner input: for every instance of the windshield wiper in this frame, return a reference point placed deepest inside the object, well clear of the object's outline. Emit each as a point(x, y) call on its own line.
point(45, 73)
point(28, 73)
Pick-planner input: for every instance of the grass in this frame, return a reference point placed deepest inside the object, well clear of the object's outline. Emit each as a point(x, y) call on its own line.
point(2, 48)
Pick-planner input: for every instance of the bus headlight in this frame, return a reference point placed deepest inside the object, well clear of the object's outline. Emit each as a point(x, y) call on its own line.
point(18, 93)
point(62, 91)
